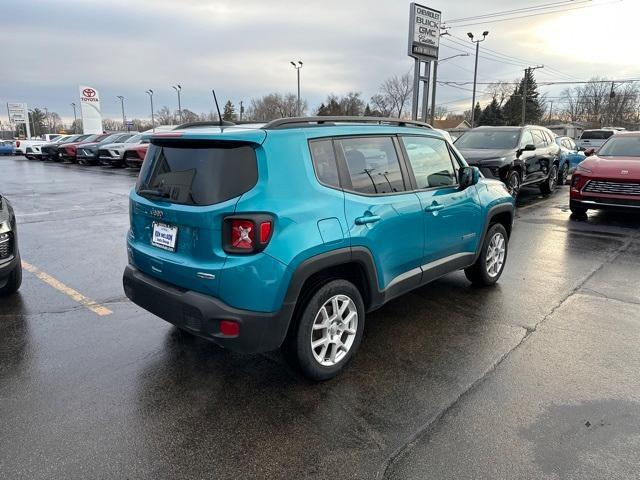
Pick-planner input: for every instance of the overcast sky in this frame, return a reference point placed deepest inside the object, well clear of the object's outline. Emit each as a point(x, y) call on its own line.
point(243, 48)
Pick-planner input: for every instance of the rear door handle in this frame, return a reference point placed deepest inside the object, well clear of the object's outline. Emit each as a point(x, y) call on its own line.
point(367, 219)
point(434, 208)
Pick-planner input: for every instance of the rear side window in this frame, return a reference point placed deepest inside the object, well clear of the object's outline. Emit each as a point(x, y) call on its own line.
point(430, 161)
point(596, 134)
point(197, 172)
point(324, 162)
point(372, 164)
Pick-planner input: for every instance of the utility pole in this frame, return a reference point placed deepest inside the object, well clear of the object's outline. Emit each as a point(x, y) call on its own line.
point(435, 82)
point(178, 89)
point(124, 119)
point(550, 111)
point(153, 120)
point(527, 72)
point(298, 67)
point(75, 118)
point(475, 73)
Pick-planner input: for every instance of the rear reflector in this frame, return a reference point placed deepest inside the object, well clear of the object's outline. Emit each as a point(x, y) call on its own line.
point(265, 232)
point(229, 328)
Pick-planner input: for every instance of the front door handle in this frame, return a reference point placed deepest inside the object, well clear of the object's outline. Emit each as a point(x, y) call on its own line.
point(434, 208)
point(367, 219)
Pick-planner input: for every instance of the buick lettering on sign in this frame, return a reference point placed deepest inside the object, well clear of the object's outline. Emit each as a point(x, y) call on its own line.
point(424, 32)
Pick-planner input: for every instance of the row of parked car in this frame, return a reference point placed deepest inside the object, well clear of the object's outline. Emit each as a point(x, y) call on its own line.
point(117, 149)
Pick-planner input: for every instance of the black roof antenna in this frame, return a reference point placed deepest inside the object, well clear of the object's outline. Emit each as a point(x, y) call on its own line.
point(215, 99)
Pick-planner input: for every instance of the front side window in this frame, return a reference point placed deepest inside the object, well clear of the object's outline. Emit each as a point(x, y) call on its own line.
point(430, 161)
point(538, 139)
point(373, 166)
point(324, 162)
point(527, 139)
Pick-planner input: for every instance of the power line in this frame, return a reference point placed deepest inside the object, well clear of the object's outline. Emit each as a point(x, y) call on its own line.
point(537, 14)
point(516, 10)
point(559, 82)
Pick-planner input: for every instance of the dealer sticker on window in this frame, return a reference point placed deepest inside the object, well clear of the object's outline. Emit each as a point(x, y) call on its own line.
point(164, 236)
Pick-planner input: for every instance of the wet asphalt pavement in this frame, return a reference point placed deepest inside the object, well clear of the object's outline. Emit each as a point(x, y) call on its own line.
point(538, 377)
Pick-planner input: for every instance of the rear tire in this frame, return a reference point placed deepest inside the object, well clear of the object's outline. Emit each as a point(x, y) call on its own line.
point(549, 185)
point(492, 259)
point(13, 281)
point(328, 330)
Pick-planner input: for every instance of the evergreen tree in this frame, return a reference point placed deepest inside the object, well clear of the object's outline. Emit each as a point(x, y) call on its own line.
point(477, 113)
point(367, 111)
point(322, 110)
point(492, 114)
point(229, 112)
point(512, 109)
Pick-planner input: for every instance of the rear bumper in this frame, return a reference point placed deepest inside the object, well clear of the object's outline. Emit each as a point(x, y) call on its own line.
point(201, 314)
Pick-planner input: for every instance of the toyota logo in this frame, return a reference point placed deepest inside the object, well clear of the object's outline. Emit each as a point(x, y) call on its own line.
point(89, 92)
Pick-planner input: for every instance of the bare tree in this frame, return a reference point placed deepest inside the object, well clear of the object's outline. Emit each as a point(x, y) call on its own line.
point(441, 112)
point(501, 91)
point(394, 95)
point(164, 116)
point(274, 106)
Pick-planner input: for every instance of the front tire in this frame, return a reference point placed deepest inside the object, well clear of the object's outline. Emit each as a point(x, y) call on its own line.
point(13, 281)
point(577, 209)
point(549, 185)
point(492, 259)
point(564, 174)
point(513, 183)
point(328, 331)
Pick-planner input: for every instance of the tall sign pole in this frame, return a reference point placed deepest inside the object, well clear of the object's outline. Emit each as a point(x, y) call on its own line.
point(424, 42)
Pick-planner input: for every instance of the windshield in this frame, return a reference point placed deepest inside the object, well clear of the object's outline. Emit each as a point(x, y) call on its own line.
point(72, 138)
point(197, 172)
point(621, 147)
point(489, 139)
point(109, 138)
point(134, 139)
point(596, 134)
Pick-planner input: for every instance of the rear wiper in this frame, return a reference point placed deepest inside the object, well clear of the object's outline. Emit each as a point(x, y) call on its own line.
point(155, 193)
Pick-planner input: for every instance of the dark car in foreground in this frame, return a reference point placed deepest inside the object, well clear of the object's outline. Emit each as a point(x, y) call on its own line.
point(88, 153)
point(10, 266)
point(610, 179)
point(518, 156)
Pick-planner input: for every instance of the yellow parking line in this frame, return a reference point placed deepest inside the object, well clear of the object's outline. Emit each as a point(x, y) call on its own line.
point(70, 292)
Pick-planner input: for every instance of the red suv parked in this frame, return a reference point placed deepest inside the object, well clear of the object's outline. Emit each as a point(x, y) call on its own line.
point(610, 179)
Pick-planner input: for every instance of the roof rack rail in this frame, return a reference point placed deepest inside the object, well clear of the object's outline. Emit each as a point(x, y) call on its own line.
point(208, 123)
point(302, 122)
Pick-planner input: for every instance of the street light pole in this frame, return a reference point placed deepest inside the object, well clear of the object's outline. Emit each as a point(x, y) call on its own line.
point(298, 66)
point(435, 82)
point(241, 110)
point(124, 119)
point(178, 88)
point(475, 73)
point(75, 118)
point(153, 121)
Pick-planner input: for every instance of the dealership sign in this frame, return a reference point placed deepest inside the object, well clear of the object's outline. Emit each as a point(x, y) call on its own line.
point(90, 109)
point(424, 32)
point(17, 112)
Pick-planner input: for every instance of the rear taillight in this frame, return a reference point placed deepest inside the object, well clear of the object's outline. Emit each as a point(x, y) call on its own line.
point(17, 143)
point(248, 233)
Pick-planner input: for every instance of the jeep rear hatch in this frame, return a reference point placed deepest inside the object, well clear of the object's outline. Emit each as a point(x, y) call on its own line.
point(185, 189)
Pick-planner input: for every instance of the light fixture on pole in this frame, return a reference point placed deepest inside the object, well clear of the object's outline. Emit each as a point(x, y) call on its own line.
point(124, 119)
point(75, 118)
point(178, 88)
point(153, 120)
point(435, 82)
point(298, 66)
point(475, 72)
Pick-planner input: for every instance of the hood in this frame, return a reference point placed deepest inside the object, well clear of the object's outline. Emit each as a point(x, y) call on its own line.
point(475, 156)
point(110, 146)
point(622, 168)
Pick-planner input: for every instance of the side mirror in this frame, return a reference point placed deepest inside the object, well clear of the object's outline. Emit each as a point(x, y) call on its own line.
point(581, 149)
point(530, 147)
point(589, 152)
point(468, 176)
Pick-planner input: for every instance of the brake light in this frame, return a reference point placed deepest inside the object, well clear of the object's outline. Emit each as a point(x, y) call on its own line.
point(249, 233)
point(17, 143)
point(242, 234)
point(229, 328)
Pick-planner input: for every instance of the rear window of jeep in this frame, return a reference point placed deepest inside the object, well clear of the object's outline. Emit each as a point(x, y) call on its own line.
point(197, 172)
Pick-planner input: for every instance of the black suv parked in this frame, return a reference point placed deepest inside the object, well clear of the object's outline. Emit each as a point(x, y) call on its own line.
point(10, 267)
point(519, 156)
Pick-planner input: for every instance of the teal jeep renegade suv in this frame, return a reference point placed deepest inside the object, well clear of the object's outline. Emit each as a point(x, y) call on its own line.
point(287, 234)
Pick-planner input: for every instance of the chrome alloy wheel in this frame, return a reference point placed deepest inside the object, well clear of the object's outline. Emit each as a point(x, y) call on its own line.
point(334, 330)
point(496, 252)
